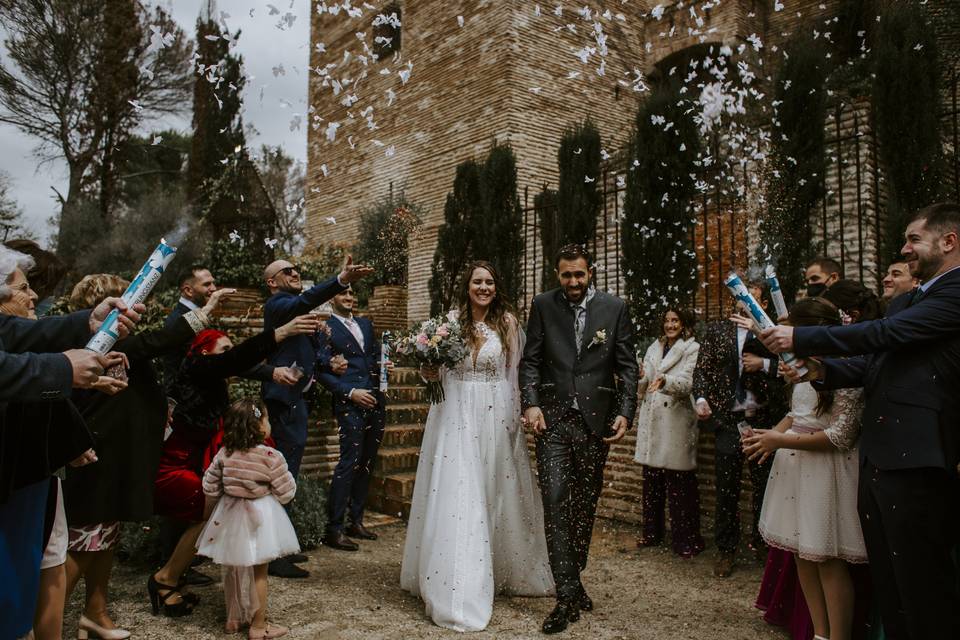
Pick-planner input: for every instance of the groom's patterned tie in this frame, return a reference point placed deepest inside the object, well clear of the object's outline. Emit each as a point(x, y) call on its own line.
point(579, 320)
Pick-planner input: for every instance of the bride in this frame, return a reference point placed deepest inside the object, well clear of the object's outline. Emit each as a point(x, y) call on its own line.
point(476, 522)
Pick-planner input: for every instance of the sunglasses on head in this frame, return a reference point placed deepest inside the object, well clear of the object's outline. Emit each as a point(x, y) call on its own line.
point(287, 271)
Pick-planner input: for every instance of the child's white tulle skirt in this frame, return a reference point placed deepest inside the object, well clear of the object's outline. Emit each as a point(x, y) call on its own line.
point(245, 533)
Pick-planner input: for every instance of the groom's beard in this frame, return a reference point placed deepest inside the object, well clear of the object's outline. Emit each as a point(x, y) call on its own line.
point(576, 294)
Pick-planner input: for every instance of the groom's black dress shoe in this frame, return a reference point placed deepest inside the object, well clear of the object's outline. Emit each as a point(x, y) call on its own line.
point(563, 614)
point(360, 532)
point(338, 540)
point(297, 558)
point(586, 604)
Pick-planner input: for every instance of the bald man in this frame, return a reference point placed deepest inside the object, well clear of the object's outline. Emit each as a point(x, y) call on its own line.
point(285, 404)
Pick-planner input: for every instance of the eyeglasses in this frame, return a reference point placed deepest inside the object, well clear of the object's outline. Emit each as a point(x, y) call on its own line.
point(287, 271)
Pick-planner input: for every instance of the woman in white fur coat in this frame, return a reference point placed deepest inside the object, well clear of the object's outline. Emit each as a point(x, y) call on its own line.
point(667, 436)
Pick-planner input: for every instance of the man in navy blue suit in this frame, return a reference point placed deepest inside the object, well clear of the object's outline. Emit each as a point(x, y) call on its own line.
point(360, 410)
point(196, 286)
point(285, 403)
point(909, 366)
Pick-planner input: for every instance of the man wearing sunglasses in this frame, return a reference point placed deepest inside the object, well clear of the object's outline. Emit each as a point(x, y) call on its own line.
point(285, 404)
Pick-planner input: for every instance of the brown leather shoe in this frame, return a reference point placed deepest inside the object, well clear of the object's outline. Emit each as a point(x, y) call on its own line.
point(338, 540)
point(360, 532)
point(724, 566)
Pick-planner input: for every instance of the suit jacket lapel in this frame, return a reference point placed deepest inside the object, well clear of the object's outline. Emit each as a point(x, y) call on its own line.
point(594, 308)
point(347, 335)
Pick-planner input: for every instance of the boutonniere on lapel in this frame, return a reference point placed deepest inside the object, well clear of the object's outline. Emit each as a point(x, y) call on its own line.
point(599, 338)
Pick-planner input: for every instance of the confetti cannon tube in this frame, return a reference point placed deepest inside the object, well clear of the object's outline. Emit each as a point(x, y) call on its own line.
point(384, 359)
point(776, 292)
point(141, 286)
point(739, 291)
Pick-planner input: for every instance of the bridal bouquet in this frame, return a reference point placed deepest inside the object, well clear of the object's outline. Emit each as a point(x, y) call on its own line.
point(437, 341)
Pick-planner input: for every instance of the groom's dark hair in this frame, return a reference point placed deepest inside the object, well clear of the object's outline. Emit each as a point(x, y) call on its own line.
point(573, 252)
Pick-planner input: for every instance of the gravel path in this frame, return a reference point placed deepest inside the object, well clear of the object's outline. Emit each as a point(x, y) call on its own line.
point(638, 595)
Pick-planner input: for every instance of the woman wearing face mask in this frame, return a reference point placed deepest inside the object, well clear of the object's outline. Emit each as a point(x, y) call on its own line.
point(667, 436)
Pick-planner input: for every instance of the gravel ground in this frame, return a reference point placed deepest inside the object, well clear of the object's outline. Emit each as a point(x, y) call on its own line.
point(638, 594)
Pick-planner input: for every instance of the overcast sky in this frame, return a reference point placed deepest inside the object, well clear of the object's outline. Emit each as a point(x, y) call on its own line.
point(263, 46)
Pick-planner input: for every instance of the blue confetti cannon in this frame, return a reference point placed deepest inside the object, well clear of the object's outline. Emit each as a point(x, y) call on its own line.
point(141, 286)
point(384, 359)
point(776, 292)
point(740, 293)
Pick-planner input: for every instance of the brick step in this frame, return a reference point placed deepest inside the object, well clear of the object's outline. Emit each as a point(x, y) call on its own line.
point(402, 435)
point(395, 485)
point(404, 376)
point(396, 460)
point(407, 394)
point(323, 468)
point(390, 506)
point(407, 413)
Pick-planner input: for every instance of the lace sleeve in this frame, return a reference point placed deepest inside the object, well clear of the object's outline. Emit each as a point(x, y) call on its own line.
point(844, 429)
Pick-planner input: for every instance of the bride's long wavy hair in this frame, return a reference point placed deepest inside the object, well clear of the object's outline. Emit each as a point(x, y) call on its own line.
point(500, 314)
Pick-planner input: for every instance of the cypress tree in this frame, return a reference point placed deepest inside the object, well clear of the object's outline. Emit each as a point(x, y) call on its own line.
point(462, 208)
point(906, 102)
point(798, 160)
point(578, 198)
point(659, 262)
point(217, 101)
point(498, 234)
point(545, 205)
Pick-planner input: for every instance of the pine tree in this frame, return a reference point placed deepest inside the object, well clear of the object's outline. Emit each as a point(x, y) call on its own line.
point(578, 198)
point(797, 161)
point(463, 206)
point(498, 233)
point(906, 101)
point(660, 265)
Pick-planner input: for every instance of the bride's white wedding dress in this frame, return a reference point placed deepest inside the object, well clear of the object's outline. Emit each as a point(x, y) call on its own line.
point(476, 522)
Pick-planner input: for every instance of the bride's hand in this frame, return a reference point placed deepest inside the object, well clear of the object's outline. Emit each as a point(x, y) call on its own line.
point(430, 372)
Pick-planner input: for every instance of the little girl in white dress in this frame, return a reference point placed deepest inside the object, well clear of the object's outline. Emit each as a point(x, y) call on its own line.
point(248, 481)
point(810, 504)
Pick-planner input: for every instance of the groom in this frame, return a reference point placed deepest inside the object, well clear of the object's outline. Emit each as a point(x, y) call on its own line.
point(579, 347)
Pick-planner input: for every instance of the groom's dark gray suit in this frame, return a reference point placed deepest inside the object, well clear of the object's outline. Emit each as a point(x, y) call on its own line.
point(580, 394)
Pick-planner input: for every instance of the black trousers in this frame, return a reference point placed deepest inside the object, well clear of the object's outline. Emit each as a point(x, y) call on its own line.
point(361, 431)
point(729, 471)
point(909, 521)
point(570, 460)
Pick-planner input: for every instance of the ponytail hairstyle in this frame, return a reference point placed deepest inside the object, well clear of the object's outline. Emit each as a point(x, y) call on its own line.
point(816, 312)
point(241, 425)
point(854, 299)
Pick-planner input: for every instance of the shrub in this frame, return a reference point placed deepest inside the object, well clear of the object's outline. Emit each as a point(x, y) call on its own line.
point(308, 512)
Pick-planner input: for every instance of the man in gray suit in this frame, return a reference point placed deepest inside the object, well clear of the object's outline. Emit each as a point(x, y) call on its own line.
point(578, 384)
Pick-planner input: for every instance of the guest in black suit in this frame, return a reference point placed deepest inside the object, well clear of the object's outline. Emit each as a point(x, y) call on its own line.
point(735, 380)
point(909, 366)
point(579, 345)
point(820, 275)
point(196, 285)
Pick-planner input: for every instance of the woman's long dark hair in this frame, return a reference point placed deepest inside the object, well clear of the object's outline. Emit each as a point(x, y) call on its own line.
point(816, 312)
point(855, 300)
point(497, 314)
point(688, 320)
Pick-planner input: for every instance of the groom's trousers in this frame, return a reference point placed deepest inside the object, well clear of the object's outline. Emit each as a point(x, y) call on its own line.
point(570, 461)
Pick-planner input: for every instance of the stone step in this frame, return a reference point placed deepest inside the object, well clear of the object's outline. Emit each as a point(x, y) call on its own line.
point(407, 413)
point(391, 506)
point(395, 485)
point(406, 376)
point(402, 435)
point(396, 460)
point(406, 394)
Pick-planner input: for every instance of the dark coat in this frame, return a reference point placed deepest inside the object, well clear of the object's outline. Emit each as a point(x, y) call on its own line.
point(42, 431)
point(716, 376)
point(603, 378)
point(128, 434)
point(281, 308)
point(910, 372)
